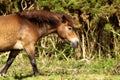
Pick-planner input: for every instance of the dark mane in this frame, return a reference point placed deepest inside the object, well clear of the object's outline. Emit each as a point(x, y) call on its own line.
point(41, 17)
point(44, 17)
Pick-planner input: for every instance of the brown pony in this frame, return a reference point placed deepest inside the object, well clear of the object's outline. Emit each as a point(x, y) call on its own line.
point(22, 30)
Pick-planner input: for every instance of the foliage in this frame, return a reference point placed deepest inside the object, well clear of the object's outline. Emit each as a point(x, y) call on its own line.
point(98, 24)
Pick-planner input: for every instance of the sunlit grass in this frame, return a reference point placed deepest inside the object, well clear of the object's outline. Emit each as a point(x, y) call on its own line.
point(55, 69)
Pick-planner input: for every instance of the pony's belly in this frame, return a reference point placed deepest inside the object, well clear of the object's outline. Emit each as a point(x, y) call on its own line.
point(8, 38)
point(5, 45)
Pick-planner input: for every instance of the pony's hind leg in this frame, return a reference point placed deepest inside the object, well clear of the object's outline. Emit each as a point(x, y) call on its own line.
point(10, 60)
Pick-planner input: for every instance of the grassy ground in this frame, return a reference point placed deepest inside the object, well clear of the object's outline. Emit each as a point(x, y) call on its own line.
point(68, 69)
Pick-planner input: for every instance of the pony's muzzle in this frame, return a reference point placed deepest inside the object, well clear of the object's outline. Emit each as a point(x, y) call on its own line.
point(74, 43)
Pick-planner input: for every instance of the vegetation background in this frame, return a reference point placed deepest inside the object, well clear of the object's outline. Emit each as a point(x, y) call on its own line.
point(97, 24)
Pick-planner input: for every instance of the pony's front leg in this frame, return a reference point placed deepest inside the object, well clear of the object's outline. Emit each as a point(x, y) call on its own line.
point(30, 49)
point(10, 60)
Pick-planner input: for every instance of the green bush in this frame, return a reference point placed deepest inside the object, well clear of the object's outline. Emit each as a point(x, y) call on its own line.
point(99, 20)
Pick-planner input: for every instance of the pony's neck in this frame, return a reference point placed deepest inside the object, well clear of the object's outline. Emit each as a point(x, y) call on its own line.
point(45, 30)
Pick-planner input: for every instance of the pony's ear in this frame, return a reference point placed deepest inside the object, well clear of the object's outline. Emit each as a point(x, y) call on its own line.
point(64, 19)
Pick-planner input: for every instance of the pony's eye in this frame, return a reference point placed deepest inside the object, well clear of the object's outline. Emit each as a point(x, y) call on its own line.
point(69, 28)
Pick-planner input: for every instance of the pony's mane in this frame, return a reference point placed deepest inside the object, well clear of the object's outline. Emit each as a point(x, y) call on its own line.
point(44, 17)
point(41, 17)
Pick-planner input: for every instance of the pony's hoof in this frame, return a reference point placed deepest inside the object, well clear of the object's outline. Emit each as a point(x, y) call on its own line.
point(37, 74)
point(3, 74)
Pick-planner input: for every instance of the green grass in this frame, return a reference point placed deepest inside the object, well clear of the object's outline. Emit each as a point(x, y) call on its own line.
point(67, 77)
point(54, 69)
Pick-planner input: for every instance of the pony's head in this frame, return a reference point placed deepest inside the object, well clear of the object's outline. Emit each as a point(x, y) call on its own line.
point(66, 31)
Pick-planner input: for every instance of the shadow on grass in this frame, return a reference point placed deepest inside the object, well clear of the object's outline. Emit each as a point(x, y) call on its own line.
point(22, 76)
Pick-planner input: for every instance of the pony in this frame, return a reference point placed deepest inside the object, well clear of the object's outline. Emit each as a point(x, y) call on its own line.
point(22, 30)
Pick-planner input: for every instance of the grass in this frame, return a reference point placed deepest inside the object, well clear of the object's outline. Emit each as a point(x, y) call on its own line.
point(54, 69)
